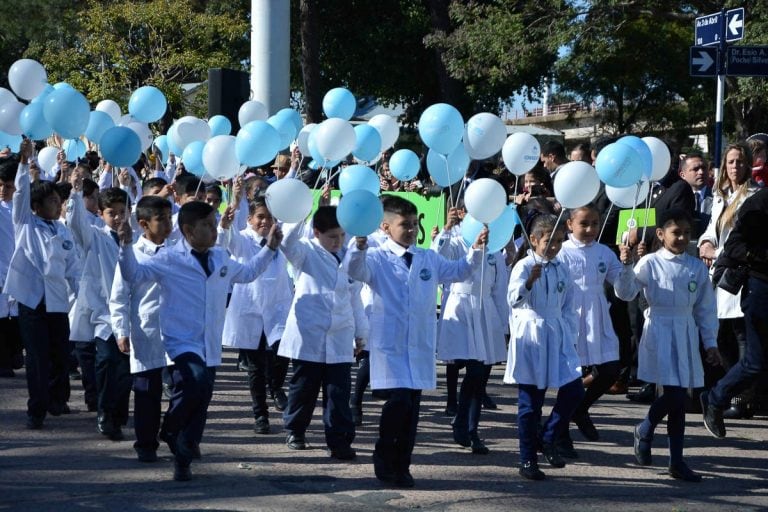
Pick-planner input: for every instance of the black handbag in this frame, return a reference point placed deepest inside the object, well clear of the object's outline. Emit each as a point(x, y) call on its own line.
point(730, 279)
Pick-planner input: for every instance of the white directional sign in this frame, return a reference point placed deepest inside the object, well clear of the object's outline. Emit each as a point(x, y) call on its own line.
point(708, 29)
point(703, 61)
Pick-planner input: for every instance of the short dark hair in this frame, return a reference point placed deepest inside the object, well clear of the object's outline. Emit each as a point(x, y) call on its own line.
point(151, 206)
point(64, 190)
point(89, 187)
point(8, 166)
point(187, 184)
point(193, 212)
point(552, 147)
point(259, 202)
point(398, 206)
point(675, 215)
point(112, 196)
point(325, 219)
point(39, 191)
point(152, 183)
point(213, 187)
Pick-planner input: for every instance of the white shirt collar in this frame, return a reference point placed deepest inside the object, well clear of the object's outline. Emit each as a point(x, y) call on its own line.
point(579, 243)
point(394, 247)
point(669, 255)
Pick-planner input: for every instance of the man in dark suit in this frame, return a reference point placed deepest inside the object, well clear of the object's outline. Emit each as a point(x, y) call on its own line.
point(690, 193)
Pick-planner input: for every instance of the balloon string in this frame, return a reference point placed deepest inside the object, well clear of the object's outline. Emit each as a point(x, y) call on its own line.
point(482, 277)
point(448, 174)
point(634, 208)
point(605, 222)
point(557, 223)
point(200, 183)
point(319, 175)
point(647, 207)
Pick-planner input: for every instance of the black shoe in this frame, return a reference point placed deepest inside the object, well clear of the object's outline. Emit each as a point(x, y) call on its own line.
point(261, 425)
point(642, 448)
point(478, 446)
point(296, 442)
point(489, 404)
point(646, 395)
point(104, 424)
point(34, 422)
point(565, 448)
point(146, 455)
point(280, 400)
point(551, 454)
point(404, 479)
point(450, 410)
point(713, 416)
point(55, 409)
point(7, 373)
point(738, 412)
point(530, 470)
point(681, 471)
point(181, 471)
point(342, 453)
point(117, 433)
point(383, 469)
point(461, 436)
point(586, 427)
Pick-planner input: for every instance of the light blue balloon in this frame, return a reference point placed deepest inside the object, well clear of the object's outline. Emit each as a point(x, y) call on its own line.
point(120, 146)
point(359, 177)
point(45, 92)
point(619, 165)
point(441, 127)
point(500, 231)
point(220, 125)
point(33, 123)
point(359, 212)
point(257, 143)
point(62, 85)
point(448, 170)
point(147, 104)
point(172, 146)
point(98, 123)
point(74, 149)
point(643, 150)
point(12, 142)
point(404, 164)
point(293, 115)
point(368, 145)
point(316, 156)
point(285, 127)
point(67, 112)
point(161, 143)
point(193, 158)
point(339, 102)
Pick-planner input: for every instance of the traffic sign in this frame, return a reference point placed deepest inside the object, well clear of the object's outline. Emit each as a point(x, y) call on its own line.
point(747, 61)
point(708, 29)
point(703, 61)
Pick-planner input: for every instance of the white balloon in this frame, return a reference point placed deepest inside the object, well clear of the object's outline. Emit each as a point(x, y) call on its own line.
point(189, 129)
point(660, 156)
point(302, 139)
point(335, 138)
point(145, 134)
point(289, 200)
point(6, 96)
point(110, 107)
point(627, 197)
point(9, 117)
point(521, 152)
point(484, 135)
point(485, 199)
point(46, 158)
point(576, 184)
point(252, 110)
point(219, 157)
point(27, 78)
point(388, 129)
point(125, 120)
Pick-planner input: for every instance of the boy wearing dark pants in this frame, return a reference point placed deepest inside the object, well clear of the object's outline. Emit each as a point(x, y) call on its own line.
point(42, 273)
point(403, 279)
point(135, 312)
point(195, 278)
point(10, 339)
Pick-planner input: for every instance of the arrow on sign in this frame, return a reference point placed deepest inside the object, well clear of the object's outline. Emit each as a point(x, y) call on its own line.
point(735, 24)
point(703, 61)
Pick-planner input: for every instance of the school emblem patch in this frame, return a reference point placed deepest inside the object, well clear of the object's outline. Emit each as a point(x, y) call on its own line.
point(67, 245)
point(492, 259)
point(602, 267)
point(560, 286)
point(425, 274)
point(223, 271)
point(692, 286)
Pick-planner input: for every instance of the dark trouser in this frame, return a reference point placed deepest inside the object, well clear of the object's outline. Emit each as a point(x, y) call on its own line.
point(470, 396)
point(86, 357)
point(336, 382)
point(397, 427)
point(46, 341)
point(362, 379)
point(265, 368)
point(529, 405)
point(10, 342)
point(754, 303)
point(604, 375)
point(147, 407)
point(192, 392)
point(451, 382)
point(113, 380)
point(672, 405)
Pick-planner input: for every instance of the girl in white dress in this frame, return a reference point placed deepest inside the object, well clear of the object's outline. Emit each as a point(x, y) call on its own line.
point(681, 310)
point(542, 351)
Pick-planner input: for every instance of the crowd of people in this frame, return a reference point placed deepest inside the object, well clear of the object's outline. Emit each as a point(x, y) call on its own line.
point(136, 276)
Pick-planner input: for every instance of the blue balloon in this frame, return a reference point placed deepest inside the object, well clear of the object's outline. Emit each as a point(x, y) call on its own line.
point(172, 146)
point(33, 123)
point(257, 143)
point(98, 123)
point(161, 143)
point(643, 150)
point(359, 212)
point(46, 91)
point(368, 145)
point(619, 165)
point(193, 158)
point(339, 102)
point(220, 125)
point(120, 146)
point(67, 112)
point(293, 115)
point(500, 231)
point(359, 177)
point(147, 104)
point(404, 164)
point(285, 127)
point(441, 127)
point(12, 142)
point(448, 170)
point(74, 149)
point(62, 85)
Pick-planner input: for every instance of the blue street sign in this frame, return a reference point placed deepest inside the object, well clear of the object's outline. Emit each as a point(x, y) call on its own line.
point(708, 29)
point(747, 61)
point(703, 61)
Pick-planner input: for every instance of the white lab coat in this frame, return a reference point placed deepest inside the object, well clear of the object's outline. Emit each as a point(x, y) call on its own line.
point(589, 267)
point(7, 244)
point(44, 262)
point(468, 330)
point(403, 319)
point(90, 316)
point(192, 305)
point(542, 326)
point(261, 305)
point(135, 313)
point(681, 308)
point(326, 313)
